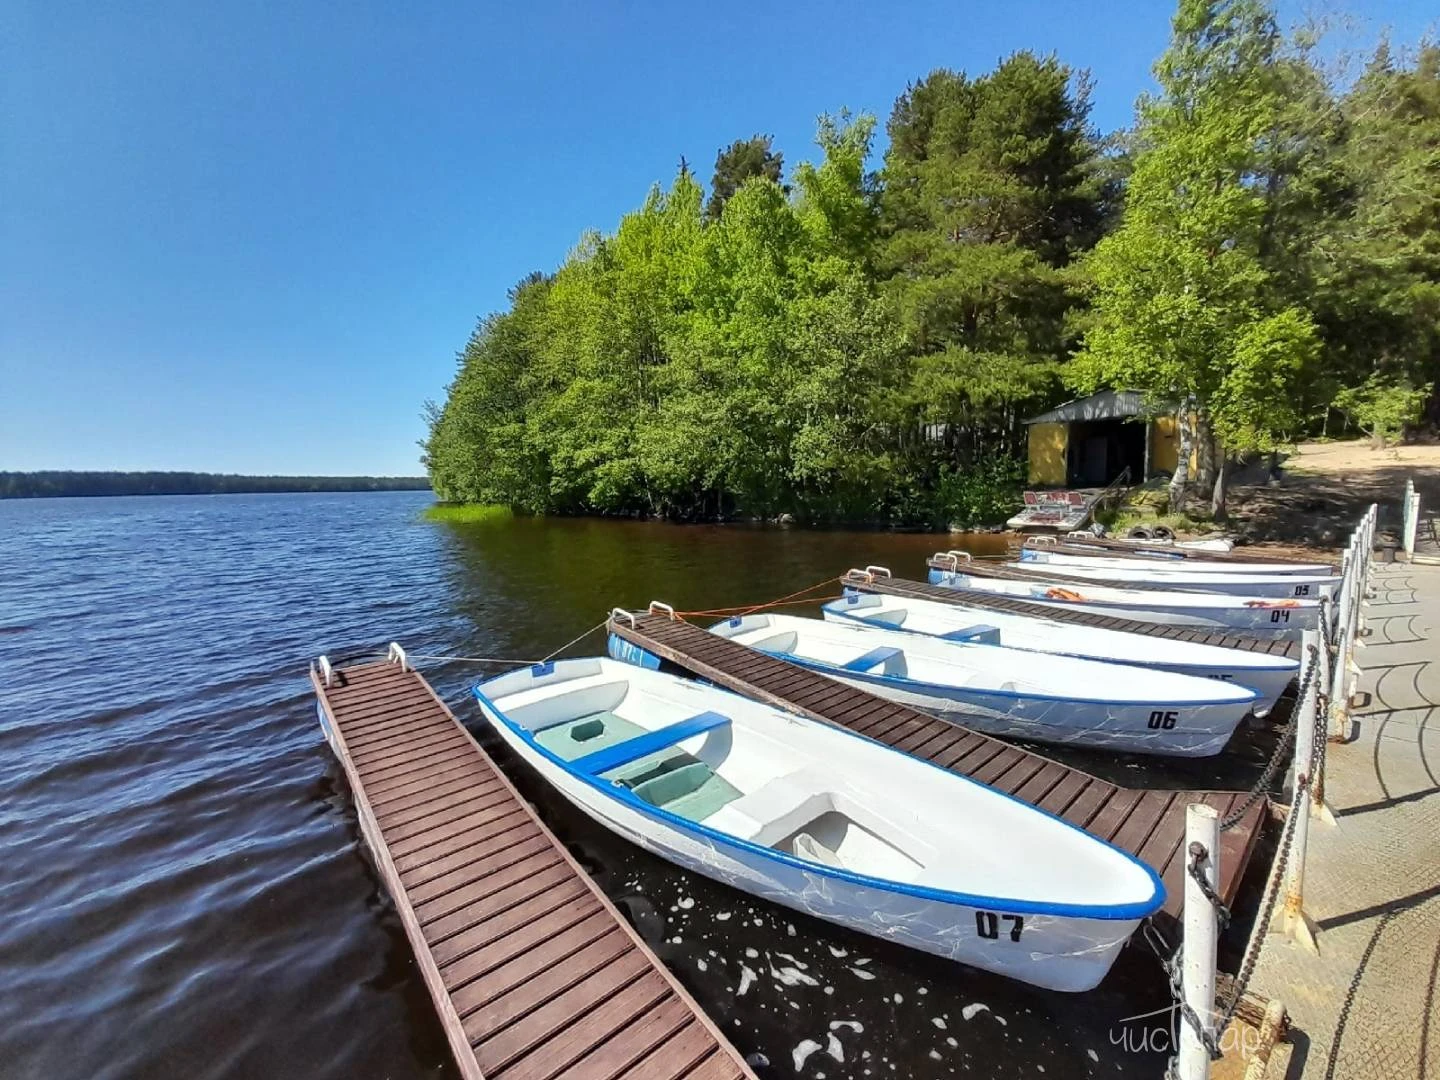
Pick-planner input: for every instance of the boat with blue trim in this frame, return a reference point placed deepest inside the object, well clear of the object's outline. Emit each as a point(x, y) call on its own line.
point(825, 821)
point(1180, 576)
point(1255, 616)
point(1267, 675)
point(985, 686)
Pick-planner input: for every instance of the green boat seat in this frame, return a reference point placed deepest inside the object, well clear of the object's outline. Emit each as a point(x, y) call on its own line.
point(574, 739)
point(691, 791)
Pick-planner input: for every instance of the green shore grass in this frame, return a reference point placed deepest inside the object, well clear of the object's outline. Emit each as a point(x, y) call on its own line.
point(465, 513)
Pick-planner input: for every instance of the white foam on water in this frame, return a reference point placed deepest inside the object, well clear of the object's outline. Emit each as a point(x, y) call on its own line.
point(838, 953)
point(1093, 1056)
point(746, 978)
point(752, 953)
point(792, 976)
point(802, 1052)
point(863, 974)
point(969, 1011)
point(938, 1021)
point(722, 916)
point(686, 902)
point(834, 1049)
point(701, 964)
point(853, 1025)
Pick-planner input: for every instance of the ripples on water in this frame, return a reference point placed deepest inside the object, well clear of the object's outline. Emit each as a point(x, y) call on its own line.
point(184, 890)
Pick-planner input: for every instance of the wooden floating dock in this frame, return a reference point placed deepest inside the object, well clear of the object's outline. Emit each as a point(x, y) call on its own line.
point(1149, 824)
point(533, 971)
point(1012, 605)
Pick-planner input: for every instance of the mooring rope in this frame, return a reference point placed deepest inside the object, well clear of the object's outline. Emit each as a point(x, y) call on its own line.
point(508, 660)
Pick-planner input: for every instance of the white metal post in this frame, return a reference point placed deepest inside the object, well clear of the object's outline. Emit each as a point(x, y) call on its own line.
point(1202, 929)
point(1293, 922)
point(1339, 705)
point(1412, 519)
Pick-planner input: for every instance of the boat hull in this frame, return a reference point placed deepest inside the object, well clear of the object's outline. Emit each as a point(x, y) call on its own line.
point(1057, 952)
point(1273, 586)
point(1059, 640)
point(1267, 620)
point(1164, 728)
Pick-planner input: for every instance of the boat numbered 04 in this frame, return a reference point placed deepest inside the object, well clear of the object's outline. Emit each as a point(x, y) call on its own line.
point(1255, 616)
point(1009, 692)
point(825, 821)
point(1267, 675)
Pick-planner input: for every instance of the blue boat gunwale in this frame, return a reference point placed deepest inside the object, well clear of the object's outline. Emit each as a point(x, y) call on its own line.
point(1102, 912)
point(900, 682)
point(1281, 663)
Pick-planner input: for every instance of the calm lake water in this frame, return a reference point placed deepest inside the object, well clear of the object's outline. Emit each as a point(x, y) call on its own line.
point(184, 889)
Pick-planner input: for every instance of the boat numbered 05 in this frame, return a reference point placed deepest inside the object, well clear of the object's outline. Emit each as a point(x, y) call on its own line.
point(1267, 675)
point(825, 821)
point(1181, 576)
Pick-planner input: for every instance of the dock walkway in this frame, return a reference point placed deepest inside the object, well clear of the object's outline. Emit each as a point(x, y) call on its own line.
point(1368, 1007)
point(1149, 824)
point(920, 590)
point(532, 970)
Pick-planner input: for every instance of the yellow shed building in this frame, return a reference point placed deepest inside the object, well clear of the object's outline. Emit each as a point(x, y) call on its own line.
point(1089, 442)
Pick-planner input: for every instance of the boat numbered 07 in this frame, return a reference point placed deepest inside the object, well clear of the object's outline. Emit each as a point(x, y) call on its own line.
point(825, 821)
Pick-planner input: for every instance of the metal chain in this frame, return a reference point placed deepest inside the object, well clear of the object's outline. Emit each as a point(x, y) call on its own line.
point(1267, 907)
point(1198, 858)
point(1282, 750)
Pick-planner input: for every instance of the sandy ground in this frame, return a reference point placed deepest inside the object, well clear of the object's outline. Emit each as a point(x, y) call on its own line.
point(1324, 487)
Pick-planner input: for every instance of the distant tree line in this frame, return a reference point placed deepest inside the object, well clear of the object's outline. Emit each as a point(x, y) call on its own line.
point(39, 485)
point(1263, 246)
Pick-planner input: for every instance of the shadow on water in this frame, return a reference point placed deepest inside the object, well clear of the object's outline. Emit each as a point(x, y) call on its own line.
point(186, 890)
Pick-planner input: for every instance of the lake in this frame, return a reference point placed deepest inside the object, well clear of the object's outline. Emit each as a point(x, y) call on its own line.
point(183, 881)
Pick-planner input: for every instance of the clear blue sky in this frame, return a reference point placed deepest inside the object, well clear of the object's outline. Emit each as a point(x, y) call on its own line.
point(251, 237)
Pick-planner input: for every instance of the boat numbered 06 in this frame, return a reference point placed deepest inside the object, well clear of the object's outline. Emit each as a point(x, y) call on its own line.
point(1010, 692)
point(825, 821)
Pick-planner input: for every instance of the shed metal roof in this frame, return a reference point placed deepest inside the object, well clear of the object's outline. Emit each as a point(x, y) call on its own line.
point(1106, 405)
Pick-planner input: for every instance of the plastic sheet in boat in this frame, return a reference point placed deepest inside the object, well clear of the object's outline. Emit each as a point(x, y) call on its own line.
point(824, 821)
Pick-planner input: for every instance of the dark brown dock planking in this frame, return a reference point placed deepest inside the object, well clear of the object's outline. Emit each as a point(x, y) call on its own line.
point(532, 970)
point(1149, 824)
point(920, 590)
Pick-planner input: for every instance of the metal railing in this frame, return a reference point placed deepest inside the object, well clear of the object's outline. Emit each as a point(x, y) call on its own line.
point(1322, 712)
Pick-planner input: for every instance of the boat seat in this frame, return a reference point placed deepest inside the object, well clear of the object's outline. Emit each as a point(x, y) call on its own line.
point(693, 791)
point(980, 633)
point(889, 659)
point(572, 739)
point(605, 759)
point(807, 847)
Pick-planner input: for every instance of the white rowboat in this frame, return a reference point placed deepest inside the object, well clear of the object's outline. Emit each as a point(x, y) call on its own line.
point(1008, 691)
point(1160, 561)
point(1181, 578)
point(825, 821)
point(1255, 616)
point(1267, 675)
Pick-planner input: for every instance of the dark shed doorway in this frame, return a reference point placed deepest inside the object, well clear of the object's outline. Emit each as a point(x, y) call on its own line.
point(1100, 450)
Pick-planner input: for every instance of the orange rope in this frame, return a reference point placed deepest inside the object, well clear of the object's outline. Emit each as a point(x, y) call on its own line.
point(784, 601)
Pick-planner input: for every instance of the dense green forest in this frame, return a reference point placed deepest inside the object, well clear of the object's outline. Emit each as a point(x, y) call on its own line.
point(41, 485)
point(853, 343)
